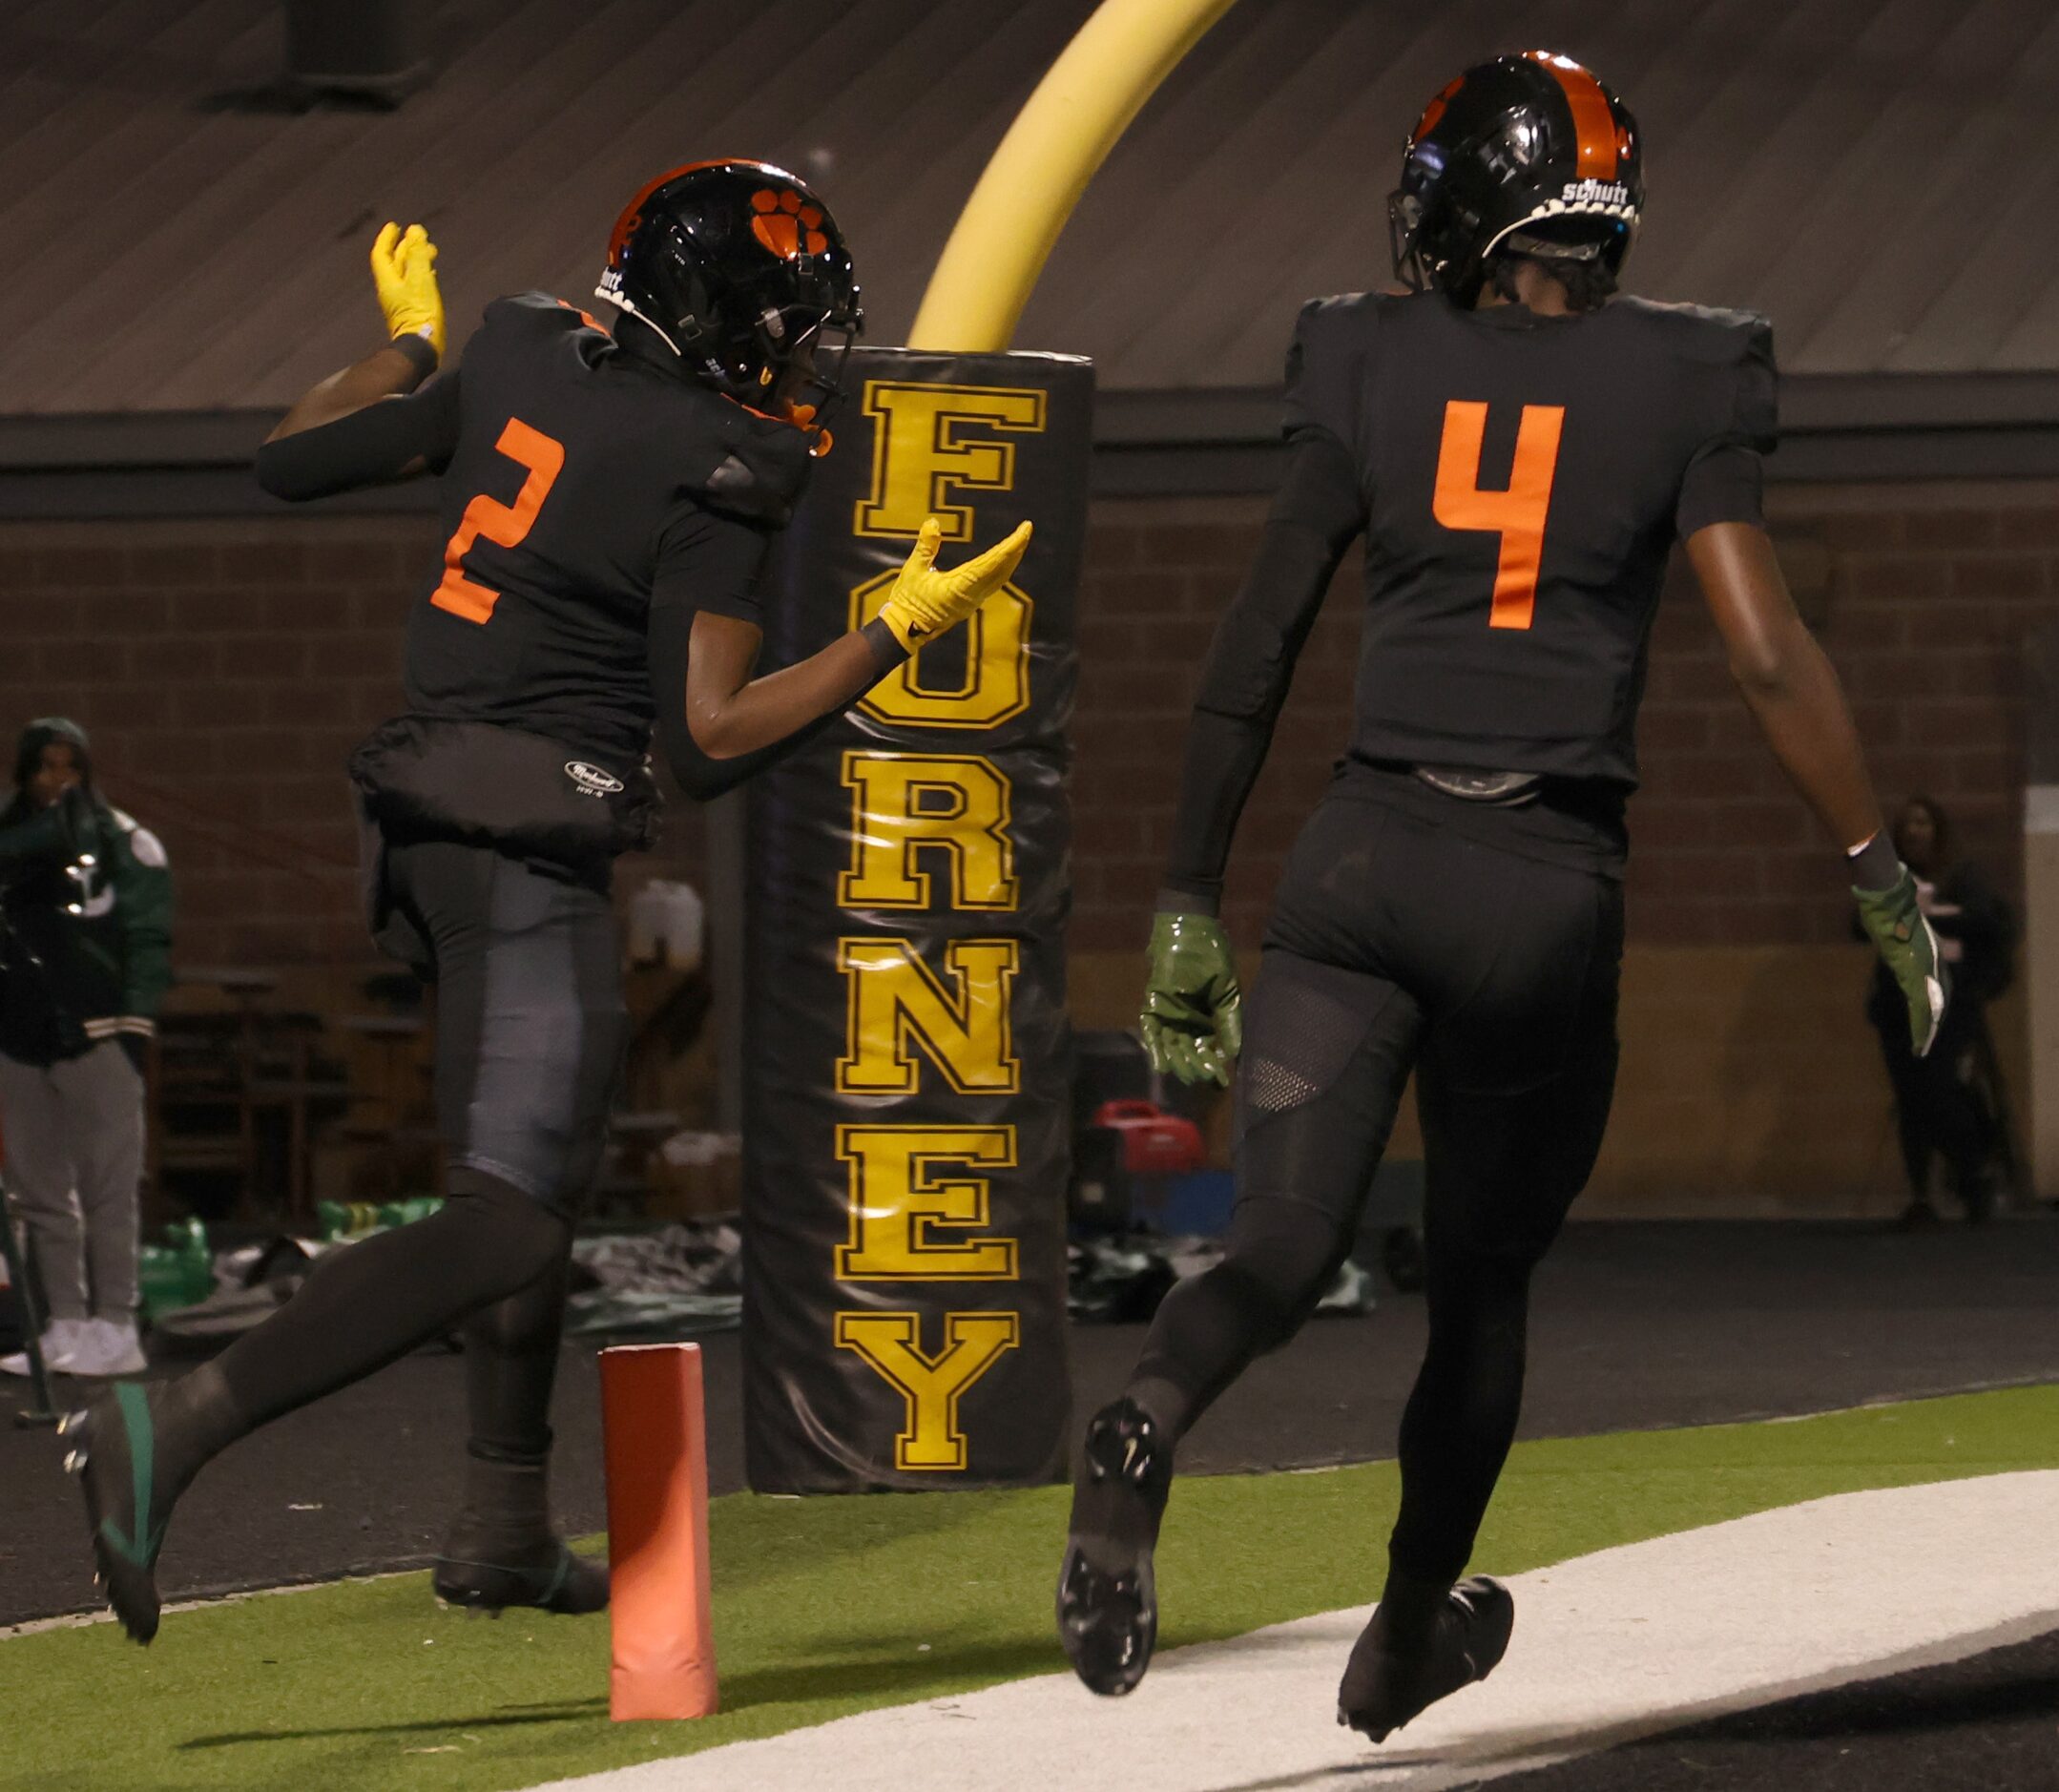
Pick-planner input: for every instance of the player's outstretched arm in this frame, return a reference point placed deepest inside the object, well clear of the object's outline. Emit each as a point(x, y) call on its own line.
point(385, 373)
point(1784, 678)
point(729, 724)
point(1192, 1019)
point(340, 434)
point(1793, 694)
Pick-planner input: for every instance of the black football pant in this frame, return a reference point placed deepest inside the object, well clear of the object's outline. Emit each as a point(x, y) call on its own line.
point(1400, 944)
point(530, 1032)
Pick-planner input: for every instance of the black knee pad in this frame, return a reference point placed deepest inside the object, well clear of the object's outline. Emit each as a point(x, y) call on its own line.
point(1479, 1303)
point(529, 1319)
point(512, 1238)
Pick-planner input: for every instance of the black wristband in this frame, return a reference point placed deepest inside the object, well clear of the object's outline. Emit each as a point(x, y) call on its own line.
point(420, 351)
point(1175, 900)
point(887, 647)
point(1874, 866)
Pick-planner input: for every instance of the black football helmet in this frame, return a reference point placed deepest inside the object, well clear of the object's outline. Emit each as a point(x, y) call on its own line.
point(1529, 153)
point(740, 268)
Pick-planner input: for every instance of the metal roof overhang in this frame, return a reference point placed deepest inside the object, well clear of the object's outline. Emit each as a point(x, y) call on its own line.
point(1187, 442)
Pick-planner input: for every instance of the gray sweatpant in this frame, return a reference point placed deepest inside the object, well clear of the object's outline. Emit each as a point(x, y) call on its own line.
point(73, 1138)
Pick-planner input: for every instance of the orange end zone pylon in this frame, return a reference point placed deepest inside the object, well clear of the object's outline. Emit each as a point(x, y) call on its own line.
point(653, 1421)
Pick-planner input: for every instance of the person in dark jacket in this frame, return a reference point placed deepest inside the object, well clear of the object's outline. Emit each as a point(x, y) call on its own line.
point(1945, 1102)
point(85, 958)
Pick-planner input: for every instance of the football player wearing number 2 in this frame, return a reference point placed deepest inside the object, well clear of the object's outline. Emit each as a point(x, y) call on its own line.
point(1520, 449)
point(609, 501)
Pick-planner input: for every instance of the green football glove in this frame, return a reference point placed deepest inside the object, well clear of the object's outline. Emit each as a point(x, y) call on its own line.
point(1193, 1022)
point(1895, 924)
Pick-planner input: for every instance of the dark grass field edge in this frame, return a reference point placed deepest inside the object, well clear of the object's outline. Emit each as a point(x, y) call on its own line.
point(595, 1543)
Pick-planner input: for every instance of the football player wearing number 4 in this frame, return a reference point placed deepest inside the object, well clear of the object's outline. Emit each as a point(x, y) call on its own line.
point(1520, 449)
point(609, 501)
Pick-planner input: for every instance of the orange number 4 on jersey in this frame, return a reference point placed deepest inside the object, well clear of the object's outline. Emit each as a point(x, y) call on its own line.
point(1517, 515)
point(502, 524)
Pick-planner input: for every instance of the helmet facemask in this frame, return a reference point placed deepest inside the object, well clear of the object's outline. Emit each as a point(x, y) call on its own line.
point(1404, 229)
point(807, 383)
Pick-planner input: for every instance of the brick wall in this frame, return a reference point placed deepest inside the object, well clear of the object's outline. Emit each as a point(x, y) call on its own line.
point(1750, 1082)
point(1921, 595)
point(226, 668)
point(224, 671)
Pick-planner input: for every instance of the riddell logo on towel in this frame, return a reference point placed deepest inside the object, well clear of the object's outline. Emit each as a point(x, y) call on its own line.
point(1595, 192)
point(591, 780)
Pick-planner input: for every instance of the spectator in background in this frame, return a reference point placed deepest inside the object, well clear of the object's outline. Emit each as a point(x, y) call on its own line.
point(85, 956)
point(1949, 1104)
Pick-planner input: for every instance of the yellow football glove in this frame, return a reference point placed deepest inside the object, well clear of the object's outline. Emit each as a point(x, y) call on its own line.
point(403, 269)
point(925, 602)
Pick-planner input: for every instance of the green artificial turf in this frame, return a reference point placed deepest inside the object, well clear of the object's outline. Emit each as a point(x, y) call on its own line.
point(826, 1607)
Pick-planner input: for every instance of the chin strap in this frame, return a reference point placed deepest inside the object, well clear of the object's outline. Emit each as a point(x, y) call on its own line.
point(800, 416)
point(819, 440)
point(621, 303)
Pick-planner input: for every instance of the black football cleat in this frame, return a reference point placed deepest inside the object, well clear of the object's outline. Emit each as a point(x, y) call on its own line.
point(1108, 1607)
point(543, 1576)
point(1384, 1686)
point(115, 1454)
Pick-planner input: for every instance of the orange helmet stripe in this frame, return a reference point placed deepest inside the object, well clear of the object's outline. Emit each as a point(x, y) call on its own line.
point(1593, 118)
point(1435, 110)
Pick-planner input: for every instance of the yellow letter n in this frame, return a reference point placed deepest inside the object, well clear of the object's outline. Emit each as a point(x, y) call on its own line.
point(897, 1004)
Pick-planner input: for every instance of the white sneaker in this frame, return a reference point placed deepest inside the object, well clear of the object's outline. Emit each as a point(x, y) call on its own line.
point(61, 1340)
point(107, 1347)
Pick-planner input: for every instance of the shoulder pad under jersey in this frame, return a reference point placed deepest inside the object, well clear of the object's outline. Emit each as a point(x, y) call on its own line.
point(754, 467)
point(1325, 364)
point(1708, 333)
point(1737, 345)
point(537, 312)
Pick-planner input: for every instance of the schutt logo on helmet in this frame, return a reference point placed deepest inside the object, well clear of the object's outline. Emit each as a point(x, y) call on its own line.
point(1595, 192)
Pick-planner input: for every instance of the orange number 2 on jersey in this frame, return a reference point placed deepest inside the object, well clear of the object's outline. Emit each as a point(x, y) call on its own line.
point(502, 524)
point(1517, 515)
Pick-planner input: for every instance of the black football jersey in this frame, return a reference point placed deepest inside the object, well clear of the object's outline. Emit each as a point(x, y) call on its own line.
point(1522, 478)
point(1518, 481)
point(578, 485)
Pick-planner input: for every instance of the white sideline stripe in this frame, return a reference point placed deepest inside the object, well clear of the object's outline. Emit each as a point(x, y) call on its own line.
point(1607, 1647)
